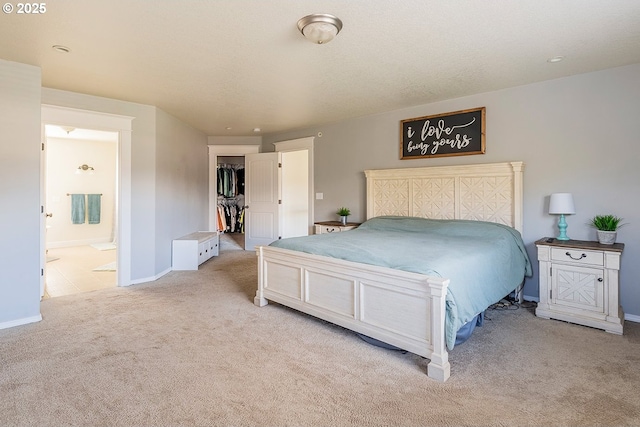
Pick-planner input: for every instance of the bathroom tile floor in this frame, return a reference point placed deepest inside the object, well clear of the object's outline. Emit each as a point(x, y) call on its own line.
point(72, 271)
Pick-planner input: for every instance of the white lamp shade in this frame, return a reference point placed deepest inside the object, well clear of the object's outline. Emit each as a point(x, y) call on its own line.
point(561, 203)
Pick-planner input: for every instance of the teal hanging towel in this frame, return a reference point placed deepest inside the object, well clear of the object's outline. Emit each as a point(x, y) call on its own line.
point(93, 208)
point(77, 209)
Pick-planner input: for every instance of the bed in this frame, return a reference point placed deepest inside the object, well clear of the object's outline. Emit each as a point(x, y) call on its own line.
point(410, 308)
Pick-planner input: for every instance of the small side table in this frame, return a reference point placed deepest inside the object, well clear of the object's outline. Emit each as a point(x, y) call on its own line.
point(579, 283)
point(334, 226)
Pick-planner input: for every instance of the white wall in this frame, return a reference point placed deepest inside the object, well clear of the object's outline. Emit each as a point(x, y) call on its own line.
point(295, 194)
point(20, 255)
point(577, 134)
point(63, 158)
point(182, 189)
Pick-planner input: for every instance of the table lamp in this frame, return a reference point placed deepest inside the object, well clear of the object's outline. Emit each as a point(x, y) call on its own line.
point(562, 204)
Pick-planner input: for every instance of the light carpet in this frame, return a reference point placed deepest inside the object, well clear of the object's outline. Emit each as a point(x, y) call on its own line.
point(191, 349)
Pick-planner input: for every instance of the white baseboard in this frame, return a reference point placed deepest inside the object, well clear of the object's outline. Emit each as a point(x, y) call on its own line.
point(22, 321)
point(149, 279)
point(632, 318)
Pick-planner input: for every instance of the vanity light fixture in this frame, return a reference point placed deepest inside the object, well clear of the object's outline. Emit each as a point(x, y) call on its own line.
point(320, 28)
point(85, 168)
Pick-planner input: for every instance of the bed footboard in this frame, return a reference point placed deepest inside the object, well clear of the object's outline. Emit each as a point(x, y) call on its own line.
point(400, 308)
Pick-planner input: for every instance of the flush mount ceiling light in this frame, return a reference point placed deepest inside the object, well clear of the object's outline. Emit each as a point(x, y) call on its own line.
point(320, 28)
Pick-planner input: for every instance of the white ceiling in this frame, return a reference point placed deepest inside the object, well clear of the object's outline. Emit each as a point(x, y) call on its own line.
point(243, 64)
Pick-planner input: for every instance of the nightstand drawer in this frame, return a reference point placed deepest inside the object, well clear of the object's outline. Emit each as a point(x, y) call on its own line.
point(322, 229)
point(334, 227)
point(328, 229)
point(578, 256)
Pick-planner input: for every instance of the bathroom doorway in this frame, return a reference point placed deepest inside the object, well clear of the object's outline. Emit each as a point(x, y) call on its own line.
point(80, 174)
point(122, 125)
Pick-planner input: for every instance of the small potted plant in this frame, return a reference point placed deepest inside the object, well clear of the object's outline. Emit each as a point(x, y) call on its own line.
point(606, 226)
point(343, 213)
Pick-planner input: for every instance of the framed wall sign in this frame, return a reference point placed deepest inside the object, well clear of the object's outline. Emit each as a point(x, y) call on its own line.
point(450, 134)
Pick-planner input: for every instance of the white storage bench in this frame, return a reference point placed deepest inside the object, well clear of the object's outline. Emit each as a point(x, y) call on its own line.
point(189, 251)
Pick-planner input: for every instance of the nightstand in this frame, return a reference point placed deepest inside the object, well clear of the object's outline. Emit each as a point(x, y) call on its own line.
point(334, 226)
point(579, 283)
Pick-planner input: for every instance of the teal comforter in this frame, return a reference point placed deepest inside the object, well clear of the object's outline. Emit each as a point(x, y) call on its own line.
point(484, 261)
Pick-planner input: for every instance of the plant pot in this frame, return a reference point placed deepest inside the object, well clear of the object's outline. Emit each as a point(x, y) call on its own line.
point(607, 237)
point(343, 220)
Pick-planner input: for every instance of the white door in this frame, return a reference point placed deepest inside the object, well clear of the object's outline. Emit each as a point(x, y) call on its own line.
point(262, 196)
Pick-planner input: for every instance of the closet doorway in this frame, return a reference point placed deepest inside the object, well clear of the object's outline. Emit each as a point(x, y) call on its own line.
point(295, 213)
point(222, 155)
point(230, 201)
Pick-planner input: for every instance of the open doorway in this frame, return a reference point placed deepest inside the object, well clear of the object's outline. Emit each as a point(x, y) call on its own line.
point(85, 119)
point(80, 173)
point(296, 204)
point(221, 155)
point(230, 202)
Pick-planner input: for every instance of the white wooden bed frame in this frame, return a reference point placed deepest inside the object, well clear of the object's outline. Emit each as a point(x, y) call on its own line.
point(397, 307)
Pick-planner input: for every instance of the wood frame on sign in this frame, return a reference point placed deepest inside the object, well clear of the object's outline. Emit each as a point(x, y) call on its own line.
point(458, 133)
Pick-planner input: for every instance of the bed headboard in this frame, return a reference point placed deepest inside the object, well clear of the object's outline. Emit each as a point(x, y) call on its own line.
point(482, 192)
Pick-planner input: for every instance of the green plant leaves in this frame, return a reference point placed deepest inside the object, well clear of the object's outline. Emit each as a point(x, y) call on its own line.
point(344, 211)
point(606, 222)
